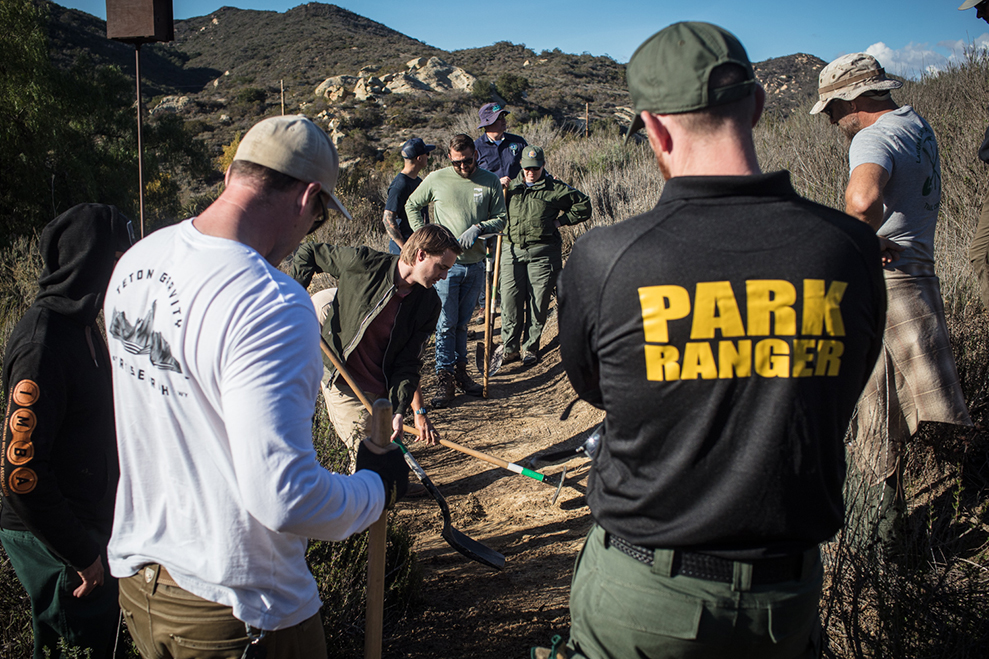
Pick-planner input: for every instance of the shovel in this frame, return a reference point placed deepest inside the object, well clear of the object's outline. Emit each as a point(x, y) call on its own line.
point(556, 482)
point(464, 544)
point(376, 544)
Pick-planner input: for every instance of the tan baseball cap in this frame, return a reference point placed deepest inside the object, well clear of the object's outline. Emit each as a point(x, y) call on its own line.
point(295, 146)
point(968, 4)
point(848, 77)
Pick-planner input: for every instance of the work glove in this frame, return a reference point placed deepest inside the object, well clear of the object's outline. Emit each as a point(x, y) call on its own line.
point(390, 467)
point(468, 237)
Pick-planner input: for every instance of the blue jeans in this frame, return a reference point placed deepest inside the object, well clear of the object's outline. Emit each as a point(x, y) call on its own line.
point(458, 295)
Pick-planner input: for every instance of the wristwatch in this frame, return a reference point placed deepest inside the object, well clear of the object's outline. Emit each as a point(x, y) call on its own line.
point(420, 411)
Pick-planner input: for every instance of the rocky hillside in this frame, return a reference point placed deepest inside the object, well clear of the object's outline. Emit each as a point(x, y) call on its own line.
point(369, 85)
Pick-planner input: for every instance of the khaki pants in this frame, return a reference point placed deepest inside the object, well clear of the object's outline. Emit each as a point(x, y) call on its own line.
point(346, 412)
point(978, 252)
point(168, 622)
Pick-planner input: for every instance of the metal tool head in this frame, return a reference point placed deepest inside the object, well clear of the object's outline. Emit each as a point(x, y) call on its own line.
point(559, 486)
point(460, 541)
point(593, 443)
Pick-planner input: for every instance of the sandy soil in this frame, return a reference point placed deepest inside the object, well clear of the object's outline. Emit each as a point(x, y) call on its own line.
point(472, 610)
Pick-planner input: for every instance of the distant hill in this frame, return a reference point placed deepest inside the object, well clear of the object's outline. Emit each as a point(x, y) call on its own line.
point(232, 65)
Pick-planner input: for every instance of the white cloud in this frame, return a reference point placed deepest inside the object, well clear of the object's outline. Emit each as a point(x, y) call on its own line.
point(909, 61)
point(916, 58)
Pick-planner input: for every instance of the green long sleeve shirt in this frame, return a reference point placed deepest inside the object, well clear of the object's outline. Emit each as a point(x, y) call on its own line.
point(459, 203)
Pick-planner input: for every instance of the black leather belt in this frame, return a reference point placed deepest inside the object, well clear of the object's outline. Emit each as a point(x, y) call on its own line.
point(713, 568)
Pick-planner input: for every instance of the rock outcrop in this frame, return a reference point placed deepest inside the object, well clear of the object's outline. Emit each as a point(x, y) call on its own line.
point(424, 76)
point(173, 104)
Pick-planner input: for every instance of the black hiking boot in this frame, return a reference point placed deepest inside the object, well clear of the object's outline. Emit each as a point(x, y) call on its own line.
point(444, 389)
point(465, 383)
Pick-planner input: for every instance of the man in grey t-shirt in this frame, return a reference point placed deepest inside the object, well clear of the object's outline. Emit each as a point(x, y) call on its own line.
point(895, 187)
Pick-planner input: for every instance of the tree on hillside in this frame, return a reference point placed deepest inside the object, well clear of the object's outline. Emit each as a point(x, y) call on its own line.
point(512, 87)
point(70, 136)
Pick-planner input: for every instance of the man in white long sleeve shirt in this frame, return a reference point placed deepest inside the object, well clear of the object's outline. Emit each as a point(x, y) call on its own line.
point(216, 367)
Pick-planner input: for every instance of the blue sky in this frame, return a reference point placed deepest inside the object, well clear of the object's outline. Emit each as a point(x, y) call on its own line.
point(907, 36)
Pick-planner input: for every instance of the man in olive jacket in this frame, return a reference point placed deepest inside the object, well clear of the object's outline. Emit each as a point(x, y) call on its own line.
point(377, 321)
point(532, 255)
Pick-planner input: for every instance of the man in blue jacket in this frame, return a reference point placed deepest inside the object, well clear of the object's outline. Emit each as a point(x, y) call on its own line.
point(497, 151)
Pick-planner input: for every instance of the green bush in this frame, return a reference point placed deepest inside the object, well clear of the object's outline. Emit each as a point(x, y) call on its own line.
point(512, 87)
point(480, 91)
point(251, 95)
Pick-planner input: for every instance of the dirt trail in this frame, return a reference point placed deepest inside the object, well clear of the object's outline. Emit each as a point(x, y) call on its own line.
point(472, 610)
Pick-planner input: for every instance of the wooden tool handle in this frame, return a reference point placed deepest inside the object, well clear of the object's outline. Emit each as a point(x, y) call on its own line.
point(373, 629)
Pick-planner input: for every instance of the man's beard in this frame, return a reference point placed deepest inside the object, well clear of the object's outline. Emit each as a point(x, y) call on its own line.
point(464, 172)
point(850, 126)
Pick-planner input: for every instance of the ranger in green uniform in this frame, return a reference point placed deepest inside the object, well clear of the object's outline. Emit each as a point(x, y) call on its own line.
point(532, 256)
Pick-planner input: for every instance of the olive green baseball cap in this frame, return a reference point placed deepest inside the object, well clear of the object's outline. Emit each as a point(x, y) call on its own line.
point(532, 156)
point(293, 145)
point(670, 72)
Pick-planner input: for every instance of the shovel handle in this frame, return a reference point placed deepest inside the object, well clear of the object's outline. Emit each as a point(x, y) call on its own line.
point(510, 466)
point(377, 539)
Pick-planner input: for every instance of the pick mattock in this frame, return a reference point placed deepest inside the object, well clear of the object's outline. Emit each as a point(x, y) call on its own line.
point(464, 544)
point(556, 482)
point(377, 538)
point(490, 367)
point(487, 361)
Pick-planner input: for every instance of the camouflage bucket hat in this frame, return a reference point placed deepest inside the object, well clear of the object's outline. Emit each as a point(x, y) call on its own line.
point(848, 77)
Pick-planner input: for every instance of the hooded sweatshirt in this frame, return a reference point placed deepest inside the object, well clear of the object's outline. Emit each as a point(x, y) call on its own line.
point(58, 467)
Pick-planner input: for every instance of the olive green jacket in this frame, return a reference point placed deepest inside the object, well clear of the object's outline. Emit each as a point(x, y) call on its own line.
point(532, 211)
point(365, 284)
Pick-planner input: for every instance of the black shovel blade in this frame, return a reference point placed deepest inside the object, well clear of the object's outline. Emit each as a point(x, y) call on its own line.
point(479, 357)
point(460, 541)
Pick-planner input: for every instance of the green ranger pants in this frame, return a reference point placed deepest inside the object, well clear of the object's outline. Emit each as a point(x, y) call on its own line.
point(88, 623)
point(622, 608)
point(978, 252)
point(528, 277)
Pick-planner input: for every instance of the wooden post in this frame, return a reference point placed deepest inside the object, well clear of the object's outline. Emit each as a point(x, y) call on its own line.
point(374, 622)
point(587, 119)
point(282, 83)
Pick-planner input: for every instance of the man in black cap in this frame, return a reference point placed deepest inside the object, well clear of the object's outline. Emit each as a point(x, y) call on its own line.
point(59, 451)
point(415, 152)
point(727, 333)
point(497, 151)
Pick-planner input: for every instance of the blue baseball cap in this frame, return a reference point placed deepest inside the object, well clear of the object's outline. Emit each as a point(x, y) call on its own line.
point(415, 147)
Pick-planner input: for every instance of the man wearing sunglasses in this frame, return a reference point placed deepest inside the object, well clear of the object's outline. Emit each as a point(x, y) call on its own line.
point(216, 367)
point(498, 151)
point(469, 202)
